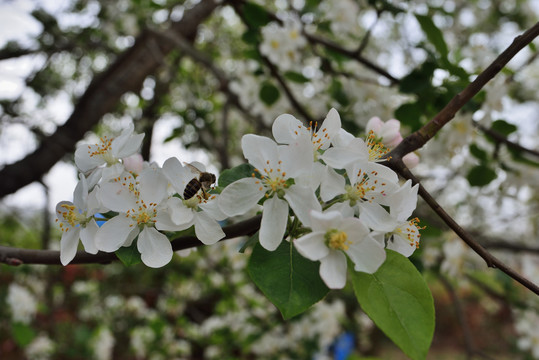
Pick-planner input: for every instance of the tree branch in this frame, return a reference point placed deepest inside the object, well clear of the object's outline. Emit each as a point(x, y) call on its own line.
point(102, 95)
point(16, 256)
point(419, 138)
point(491, 261)
point(503, 140)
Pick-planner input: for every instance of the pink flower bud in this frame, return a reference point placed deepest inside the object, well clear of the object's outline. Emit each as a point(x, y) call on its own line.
point(133, 163)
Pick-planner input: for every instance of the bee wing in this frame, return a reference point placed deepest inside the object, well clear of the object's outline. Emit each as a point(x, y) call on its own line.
point(193, 168)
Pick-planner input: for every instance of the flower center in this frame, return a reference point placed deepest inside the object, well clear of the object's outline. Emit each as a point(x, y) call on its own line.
point(71, 216)
point(337, 240)
point(376, 149)
point(144, 214)
point(274, 44)
point(365, 187)
point(410, 231)
point(274, 180)
point(103, 150)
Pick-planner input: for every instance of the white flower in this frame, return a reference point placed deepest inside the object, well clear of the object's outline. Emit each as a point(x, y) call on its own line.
point(402, 235)
point(108, 151)
point(334, 236)
point(201, 210)
point(139, 203)
point(276, 166)
point(528, 331)
point(281, 43)
point(77, 222)
point(41, 348)
point(388, 132)
point(287, 130)
point(22, 303)
point(102, 343)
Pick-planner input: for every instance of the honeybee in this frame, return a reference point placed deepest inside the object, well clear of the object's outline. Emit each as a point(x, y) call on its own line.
point(203, 182)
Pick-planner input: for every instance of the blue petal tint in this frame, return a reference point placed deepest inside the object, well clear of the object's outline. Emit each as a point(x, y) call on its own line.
point(343, 346)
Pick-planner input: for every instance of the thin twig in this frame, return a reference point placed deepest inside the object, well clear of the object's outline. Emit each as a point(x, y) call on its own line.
point(502, 139)
point(16, 256)
point(419, 138)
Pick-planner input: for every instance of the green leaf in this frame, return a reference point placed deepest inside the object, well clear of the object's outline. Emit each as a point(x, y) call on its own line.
point(295, 77)
point(22, 334)
point(269, 93)
point(410, 114)
point(418, 80)
point(503, 127)
point(337, 92)
point(228, 176)
point(255, 15)
point(129, 255)
point(434, 35)
point(290, 281)
point(478, 153)
point(481, 175)
point(251, 242)
point(399, 302)
point(251, 37)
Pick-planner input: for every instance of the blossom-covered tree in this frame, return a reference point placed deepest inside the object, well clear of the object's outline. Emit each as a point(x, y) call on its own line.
point(321, 122)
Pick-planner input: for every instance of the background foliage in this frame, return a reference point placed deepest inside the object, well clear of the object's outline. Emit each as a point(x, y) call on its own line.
point(197, 76)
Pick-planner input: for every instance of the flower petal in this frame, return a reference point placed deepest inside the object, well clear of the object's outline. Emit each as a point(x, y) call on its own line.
point(177, 174)
point(367, 255)
point(207, 229)
point(258, 150)
point(84, 161)
point(68, 245)
point(273, 225)
point(312, 246)
point(118, 195)
point(155, 248)
point(375, 217)
point(401, 245)
point(240, 196)
point(286, 128)
point(211, 207)
point(114, 233)
point(331, 184)
point(87, 236)
point(152, 186)
point(330, 128)
point(179, 213)
point(333, 270)
point(302, 200)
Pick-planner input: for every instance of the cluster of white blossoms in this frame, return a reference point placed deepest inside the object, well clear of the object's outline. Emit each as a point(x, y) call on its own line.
point(281, 43)
point(332, 183)
point(320, 187)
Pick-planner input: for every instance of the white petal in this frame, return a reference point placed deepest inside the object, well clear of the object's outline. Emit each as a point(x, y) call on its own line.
point(340, 157)
point(240, 196)
point(68, 245)
point(152, 186)
point(374, 124)
point(114, 233)
point(117, 196)
point(207, 229)
point(177, 174)
point(367, 255)
point(273, 225)
point(155, 248)
point(312, 246)
point(286, 128)
point(330, 128)
point(179, 213)
point(297, 157)
point(302, 200)
point(258, 150)
point(164, 222)
point(333, 270)
point(354, 228)
point(400, 245)
point(211, 207)
point(80, 195)
point(331, 185)
point(87, 236)
point(403, 201)
point(325, 221)
point(375, 217)
point(84, 161)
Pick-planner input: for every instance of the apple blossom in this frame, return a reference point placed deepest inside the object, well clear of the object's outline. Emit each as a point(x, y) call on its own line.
point(332, 237)
point(201, 211)
point(77, 221)
point(276, 166)
point(140, 206)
